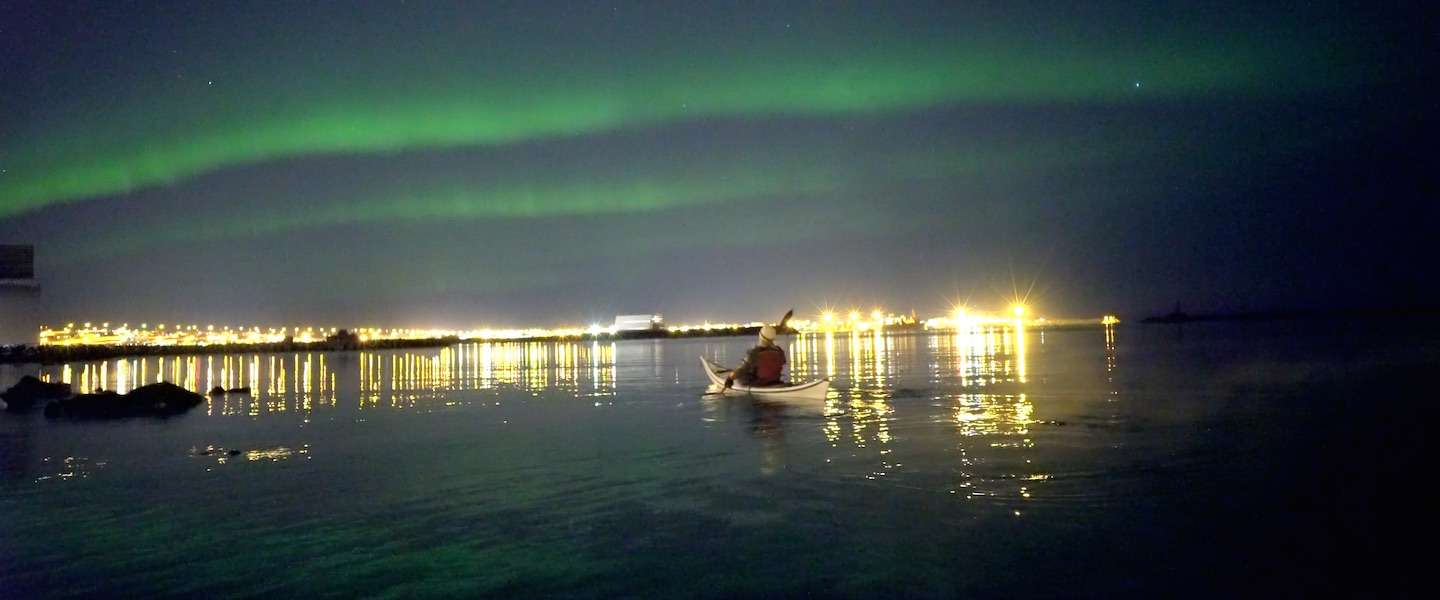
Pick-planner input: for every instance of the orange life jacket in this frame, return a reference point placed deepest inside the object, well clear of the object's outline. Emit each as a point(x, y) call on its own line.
point(768, 364)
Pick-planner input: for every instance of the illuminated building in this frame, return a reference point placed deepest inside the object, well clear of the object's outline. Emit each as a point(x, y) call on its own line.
point(637, 322)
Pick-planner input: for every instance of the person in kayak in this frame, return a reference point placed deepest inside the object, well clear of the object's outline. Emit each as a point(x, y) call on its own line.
point(763, 363)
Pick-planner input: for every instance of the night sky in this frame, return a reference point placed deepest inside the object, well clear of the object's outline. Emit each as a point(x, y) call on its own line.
point(458, 164)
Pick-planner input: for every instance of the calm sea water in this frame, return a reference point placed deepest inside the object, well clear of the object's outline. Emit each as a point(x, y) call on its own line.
point(1217, 459)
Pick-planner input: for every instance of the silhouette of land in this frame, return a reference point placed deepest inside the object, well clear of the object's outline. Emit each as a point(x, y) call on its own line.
point(1180, 316)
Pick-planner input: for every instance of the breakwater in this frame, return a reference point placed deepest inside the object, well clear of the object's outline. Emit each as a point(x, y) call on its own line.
point(49, 354)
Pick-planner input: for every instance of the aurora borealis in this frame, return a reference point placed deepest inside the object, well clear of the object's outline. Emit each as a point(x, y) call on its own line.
point(409, 164)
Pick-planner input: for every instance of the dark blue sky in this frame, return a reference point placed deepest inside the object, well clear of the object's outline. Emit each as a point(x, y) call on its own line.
point(446, 164)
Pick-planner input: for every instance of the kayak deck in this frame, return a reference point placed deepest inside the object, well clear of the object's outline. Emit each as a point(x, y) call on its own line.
point(814, 390)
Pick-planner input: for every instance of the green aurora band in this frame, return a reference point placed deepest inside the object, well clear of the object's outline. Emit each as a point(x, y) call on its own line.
point(719, 181)
point(143, 141)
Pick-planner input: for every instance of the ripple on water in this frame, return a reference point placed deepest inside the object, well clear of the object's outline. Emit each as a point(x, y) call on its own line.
point(437, 476)
point(69, 468)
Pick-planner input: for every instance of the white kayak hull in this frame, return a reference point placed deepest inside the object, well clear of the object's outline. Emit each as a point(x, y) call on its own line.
point(815, 390)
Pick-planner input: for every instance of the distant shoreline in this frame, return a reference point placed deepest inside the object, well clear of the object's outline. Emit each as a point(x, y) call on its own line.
point(60, 354)
point(1280, 315)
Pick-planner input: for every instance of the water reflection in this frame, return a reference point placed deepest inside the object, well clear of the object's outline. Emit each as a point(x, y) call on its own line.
point(303, 382)
point(69, 468)
point(899, 396)
point(973, 386)
point(993, 414)
point(765, 421)
point(981, 357)
point(1109, 353)
point(976, 379)
point(974, 400)
point(978, 374)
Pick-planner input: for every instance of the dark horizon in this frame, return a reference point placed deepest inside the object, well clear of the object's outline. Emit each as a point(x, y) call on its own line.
point(516, 164)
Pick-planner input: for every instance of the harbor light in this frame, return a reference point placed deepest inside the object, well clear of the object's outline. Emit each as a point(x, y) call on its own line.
point(959, 318)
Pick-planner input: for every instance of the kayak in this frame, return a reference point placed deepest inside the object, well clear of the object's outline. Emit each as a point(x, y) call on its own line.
point(814, 390)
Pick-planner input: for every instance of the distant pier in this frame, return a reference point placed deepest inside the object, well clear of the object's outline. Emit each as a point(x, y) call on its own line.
point(343, 340)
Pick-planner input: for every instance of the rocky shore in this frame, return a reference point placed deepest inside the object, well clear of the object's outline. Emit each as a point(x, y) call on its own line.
point(154, 400)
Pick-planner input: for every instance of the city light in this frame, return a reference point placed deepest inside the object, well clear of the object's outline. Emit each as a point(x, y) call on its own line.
point(180, 335)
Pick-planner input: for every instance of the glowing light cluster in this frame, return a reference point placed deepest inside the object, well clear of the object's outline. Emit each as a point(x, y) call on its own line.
point(878, 319)
point(1018, 314)
point(854, 320)
point(104, 334)
point(708, 326)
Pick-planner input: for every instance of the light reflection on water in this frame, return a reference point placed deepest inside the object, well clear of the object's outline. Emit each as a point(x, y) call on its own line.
point(976, 374)
point(869, 368)
point(950, 415)
point(394, 379)
point(972, 382)
point(969, 461)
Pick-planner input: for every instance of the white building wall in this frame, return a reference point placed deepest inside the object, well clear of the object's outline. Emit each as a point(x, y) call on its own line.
point(637, 322)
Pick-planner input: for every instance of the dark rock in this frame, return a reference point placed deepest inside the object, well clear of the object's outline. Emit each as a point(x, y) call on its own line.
point(343, 340)
point(24, 394)
point(154, 400)
point(217, 390)
point(239, 390)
